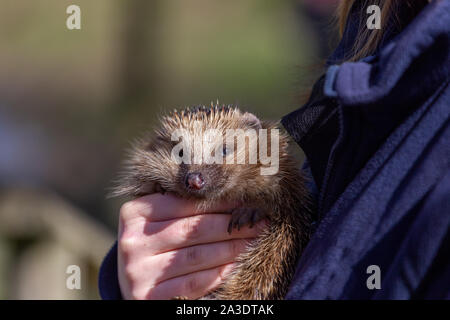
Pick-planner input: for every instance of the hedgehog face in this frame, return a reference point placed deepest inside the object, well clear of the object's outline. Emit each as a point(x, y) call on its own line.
point(198, 154)
point(202, 155)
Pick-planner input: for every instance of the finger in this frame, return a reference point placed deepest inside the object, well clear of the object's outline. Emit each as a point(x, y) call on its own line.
point(158, 207)
point(187, 260)
point(200, 229)
point(192, 286)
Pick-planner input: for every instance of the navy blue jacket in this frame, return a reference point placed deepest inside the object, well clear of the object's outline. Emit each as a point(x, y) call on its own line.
point(376, 134)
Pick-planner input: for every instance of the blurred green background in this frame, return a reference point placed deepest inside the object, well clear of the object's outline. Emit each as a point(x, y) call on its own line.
point(71, 100)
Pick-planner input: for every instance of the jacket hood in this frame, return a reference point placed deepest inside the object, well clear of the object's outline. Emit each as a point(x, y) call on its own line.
point(356, 105)
point(400, 63)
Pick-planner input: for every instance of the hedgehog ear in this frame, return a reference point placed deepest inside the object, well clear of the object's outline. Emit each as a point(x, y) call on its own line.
point(251, 120)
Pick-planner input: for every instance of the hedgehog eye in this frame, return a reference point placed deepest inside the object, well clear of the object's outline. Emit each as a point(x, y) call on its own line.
point(181, 153)
point(225, 151)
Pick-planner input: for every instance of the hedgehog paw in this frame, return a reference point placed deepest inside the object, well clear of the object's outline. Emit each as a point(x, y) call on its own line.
point(244, 216)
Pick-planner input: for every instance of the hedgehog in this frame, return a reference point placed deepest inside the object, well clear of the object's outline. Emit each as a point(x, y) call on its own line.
point(266, 267)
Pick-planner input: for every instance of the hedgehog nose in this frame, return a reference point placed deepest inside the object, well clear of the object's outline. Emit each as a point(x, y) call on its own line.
point(195, 181)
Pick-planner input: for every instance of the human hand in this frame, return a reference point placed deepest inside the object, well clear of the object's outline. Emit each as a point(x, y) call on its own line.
point(168, 248)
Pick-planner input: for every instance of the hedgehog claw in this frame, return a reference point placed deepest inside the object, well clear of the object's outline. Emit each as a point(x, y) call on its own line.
point(159, 189)
point(244, 216)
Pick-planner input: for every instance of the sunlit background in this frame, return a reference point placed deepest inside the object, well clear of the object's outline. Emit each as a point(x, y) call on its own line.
point(71, 100)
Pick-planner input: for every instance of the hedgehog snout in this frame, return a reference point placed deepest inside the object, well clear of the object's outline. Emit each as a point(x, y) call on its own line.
point(194, 180)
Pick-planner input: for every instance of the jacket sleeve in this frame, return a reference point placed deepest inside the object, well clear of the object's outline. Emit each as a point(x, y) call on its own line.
point(108, 280)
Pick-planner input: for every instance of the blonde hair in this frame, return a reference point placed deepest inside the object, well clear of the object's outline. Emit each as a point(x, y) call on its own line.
point(368, 40)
